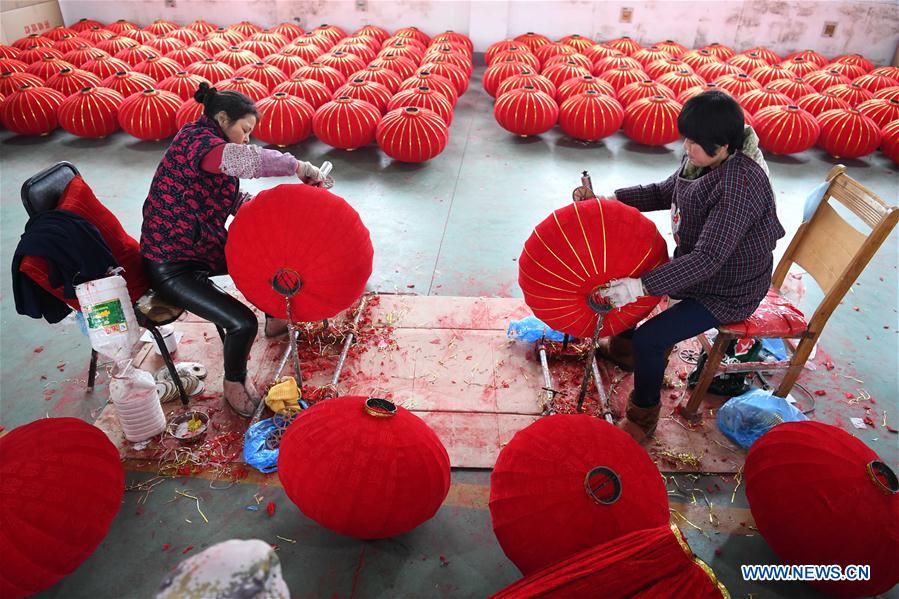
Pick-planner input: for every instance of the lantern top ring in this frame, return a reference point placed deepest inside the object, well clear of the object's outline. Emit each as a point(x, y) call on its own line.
point(379, 408)
point(603, 485)
point(597, 302)
point(287, 282)
point(883, 477)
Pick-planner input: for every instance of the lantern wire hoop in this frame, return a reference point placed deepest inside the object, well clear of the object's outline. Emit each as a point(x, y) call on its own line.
point(598, 479)
point(379, 407)
point(883, 477)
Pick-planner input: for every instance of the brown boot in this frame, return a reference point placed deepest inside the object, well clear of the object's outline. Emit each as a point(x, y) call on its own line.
point(274, 327)
point(640, 423)
point(617, 350)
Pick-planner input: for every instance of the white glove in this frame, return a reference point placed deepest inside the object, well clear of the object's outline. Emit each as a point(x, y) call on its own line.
point(309, 174)
point(621, 292)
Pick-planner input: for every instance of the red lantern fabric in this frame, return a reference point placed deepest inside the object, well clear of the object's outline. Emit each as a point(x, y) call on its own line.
point(821, 80)
point(716, 70)
point(10, 82)
point(548, 501)
point(529, 78)
point(748, 61)
point(268, 75)
point(346, 123)
point(405, 48)
point(211, 69)
point(404, 66)
point(889, 71)
point(227, 35)
point(695, 91)
point(844, 68)
point(285, 120)
point(235, 58)
point(358, 48)
point(259, 48)
point(121, 26)
point(669, 65)
point(889, 143)
point(501, 70)
point(33, 39)
point(385, 77)
point(332, 32)
point(454, 37)
point(786, 129)
point(141, 36)
point(149, 114)
point(720, 50)
point(655, 563)
point(285, 62)
point(811, 56)
point(166, 44)
point(84, 23)
point(61, 486)
point(754, 100)
point(621, 77)
point(800, 66)
point(388, 477)
point(116, 44)
point(158, 67)
point(794, 87)
point(189, 112)
point(856, 59)
point(453, 73)
point(517, 54)
point(423, 97)
point(412, 134)
point(579, 59)
point(370, 91)
point(333, 274)
point(106, 67)
point(874, 82)
point(314, 92)
point(889, 93)
point(652, 121)
point(49, 66)
point(559, 73)
point(526, 111)
point(737, 85)
point(128, 82)
point(847, 133)
point(817, 103)
point(436, 82)
point(577, 85)
point(211, 46)
point(643, 89)
point(614, 62)
point(69, 81)
point(533, 40)
point(134, 55)
point(305, 49)
point(672, 47)
point(84, 54)
point(202, 27)
point(31, 110)
point(185, 35)
point(590, 116)
point(880, 111)
point(497, 47)
point(769, 74)
point(374, 31)
point(9, 52)
point(288, 30)
point(342, 61)
point(13, 65)
point(251, 89)
point(647, 56)
point(697, 58)
point(182, 84)
point(580, 247)
point(329, 76)
point(624, 44)
point(548, 51)
point(161, 27)
point(245, 28)
point(91, 112)
point(599, 51)
point(578, 42)
point(802, 478)
point(678, 81)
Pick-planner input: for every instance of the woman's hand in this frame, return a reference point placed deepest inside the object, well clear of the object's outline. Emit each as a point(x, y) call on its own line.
point(621, 292)
point(309, 174)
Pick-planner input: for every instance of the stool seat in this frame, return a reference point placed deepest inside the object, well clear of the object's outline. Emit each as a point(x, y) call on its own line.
point(775, 317)
point(151, 308)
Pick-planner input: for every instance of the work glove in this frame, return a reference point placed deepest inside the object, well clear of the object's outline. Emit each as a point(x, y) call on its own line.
point(620, 292)
point(309, 174)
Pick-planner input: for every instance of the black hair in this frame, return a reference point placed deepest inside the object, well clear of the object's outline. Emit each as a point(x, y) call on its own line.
point(234, 104)
point(712, 119)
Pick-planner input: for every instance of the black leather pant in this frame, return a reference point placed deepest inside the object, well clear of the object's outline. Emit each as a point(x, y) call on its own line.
point(187, 284)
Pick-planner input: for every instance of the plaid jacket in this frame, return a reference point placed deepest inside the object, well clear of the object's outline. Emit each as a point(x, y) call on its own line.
point(726, 234)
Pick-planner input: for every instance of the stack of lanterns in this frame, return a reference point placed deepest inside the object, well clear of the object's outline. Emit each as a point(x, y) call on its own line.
point(845, 106)
point(348, 90)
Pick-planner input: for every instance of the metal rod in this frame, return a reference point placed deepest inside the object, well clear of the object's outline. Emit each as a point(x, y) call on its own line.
point(283, 362)
point(547, 379)
point(294, 348)
point(348, 342)
point(601, 391)
point(588, 371)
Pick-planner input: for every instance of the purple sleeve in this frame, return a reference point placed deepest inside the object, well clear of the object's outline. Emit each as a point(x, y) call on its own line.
point(273, 163)
point(251, 161)
point(646, 198)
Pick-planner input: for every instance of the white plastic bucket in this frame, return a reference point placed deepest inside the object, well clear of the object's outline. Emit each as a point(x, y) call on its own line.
point(168, 336)
point(133, 392)
point(109, 314)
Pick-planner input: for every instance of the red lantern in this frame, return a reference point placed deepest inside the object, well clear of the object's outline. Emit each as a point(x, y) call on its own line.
point(231, 37)
point(96, 34)
point(590, 116)
point(269, 76)
point(502, 70)
point(856, 59)
point(600, 51)
point(61, 486)
point(235, 58)
point(288, 30)
point(141, 36)
point(202, 27)
point(211, 46)
point(286, 63)
point(672, 47)
point(354, 485)
point(403, 66)
point(332, 274)
point(331, 77)
point(696, 90)
point(166, 44)
point(116, 44)
point(374, 31)
point(668, 568)
point(748, 61)
point(245, 28)
point(817, 103)
point(580, 247)
point(11, 82)
point(794, 87)
point(647, 56)
point(161, 27)
point(384, 76)
point(285, 120)
point(623, 76)
point(889, 71)
point(406, 48)
point(613, 62)
point(577, 85)
point(270, 37)
point(31, 110)
point(821, 80)
point(526, 111)
point(517, 54)
point(150, 114)
point(756, 99)
point(769, 74)
point(578, 59)
point(211, 69)
point(33, 40)
point(92, 112)
point(342, 61)
point(720, 50)
point(642, 89)
point(11, 65)
point(346, 123)
point(801, 479)
point(533, 40)
point(844, 68)
point(84, 23)
point(306, 50)
point(47, 67)
point(84, 54)
point(668, 65)
point(134, 55)
point(128, 82)
point(187, 56)
point(369, 91)
point(412, 134)
point(453, 73)
point(578, 42)
point(106, 67)
point(69, 81)
point(851, 92)
point(889, 144)
point(185, 35)
point(436, 82)
point(847, 133)
point(737, 85)
point(561, 72)
point(314, 92)
point(9, 52)
point(880, 111)
point(888, 93)
point(548, 502)
point(624, 44)
point(159, 67)
point(332, 32)
point(359, 48)
point(182, 84)
point(254, 90)
point(816, 58)
point(786, 129)
point(189, 112)
point(715, 70)
point(652, 121)
point(697, 58)
point(120, 27)
point(678, 81)
point(529, 78)
point(768, 54)
point(800, 66)
point(423, 97)
point(874, 82)
point(453, 37)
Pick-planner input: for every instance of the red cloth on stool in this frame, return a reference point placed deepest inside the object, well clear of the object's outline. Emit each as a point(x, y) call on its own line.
point(775, 317)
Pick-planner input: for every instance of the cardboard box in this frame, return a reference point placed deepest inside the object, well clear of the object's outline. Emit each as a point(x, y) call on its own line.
point(36, 18)
point(7, 5)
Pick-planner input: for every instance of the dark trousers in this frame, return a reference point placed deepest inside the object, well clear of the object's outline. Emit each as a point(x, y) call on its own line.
point(187, 284)
point(684, 320)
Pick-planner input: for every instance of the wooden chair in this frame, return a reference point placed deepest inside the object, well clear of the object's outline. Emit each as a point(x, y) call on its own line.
point(834, 253)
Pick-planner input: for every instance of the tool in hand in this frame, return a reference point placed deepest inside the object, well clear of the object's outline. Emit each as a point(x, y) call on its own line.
point(326, 181)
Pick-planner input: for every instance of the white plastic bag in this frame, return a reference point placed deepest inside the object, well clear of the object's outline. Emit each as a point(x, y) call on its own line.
point(111, 323)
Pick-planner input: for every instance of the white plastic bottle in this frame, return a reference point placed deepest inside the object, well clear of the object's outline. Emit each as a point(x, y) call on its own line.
point(111, 323)
point(133, 392)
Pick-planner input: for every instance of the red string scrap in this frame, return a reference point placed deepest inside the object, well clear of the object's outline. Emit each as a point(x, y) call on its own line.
point(270, 508)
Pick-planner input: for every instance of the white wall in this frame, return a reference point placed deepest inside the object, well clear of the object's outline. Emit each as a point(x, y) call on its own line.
point(869, 27)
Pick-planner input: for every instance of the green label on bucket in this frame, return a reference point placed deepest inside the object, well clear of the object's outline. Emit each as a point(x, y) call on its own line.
point(108, 316)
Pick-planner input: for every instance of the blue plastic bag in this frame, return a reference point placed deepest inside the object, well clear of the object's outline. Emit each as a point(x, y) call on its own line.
point(745, 418)
point(255, 451)
point(532, 329)
point(812, 201)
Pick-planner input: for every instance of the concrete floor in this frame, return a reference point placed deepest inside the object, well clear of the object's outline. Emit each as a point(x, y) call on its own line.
point(453, 226)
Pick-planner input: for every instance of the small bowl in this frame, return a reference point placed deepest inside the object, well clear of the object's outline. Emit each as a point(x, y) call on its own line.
point(177, 427)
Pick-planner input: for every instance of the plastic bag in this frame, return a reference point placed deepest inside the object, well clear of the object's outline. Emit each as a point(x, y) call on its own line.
point(745, 418)
point(532, 329)
point(256, 452)
point(813, 200)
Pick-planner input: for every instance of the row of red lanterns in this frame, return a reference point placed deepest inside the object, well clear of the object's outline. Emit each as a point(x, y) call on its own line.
point(417, 84)
point(592, 90)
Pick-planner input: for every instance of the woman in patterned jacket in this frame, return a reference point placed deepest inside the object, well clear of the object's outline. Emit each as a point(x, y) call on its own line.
point(725, 225)
point(194, 190)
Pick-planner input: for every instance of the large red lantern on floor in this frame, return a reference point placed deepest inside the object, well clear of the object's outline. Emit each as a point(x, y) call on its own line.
point(669, 65)
point(647, 56)
point(83, 24)
point(386, 478)
point(128, 82)
point(182, 84)
point(517, 54)
point(68, 81)
point(668, 568)
point(287, 63)
point(881, 111)
point(31, 110)
point(819, 102)
point(847, 133)
point(613, 62)
point(210, 69)
point(305, 49)
point(874, 82)
point(794, 87)
point(533, 40)
point(561, 72)
point(314, 92)
point(61, 486)
point(890, 93)
point(624, 44)
point(526, 111)
point(802, 478)
point(821, 80)
point(755, 99)
point(33, 39)
point(344, 62)
point(621, 77)
point(652, 121)
point(266, 74)
point(136, 54)
point(248, 87)
point(529, 78)
point(149, 114)
point(851, 92)
point(697, 58)
point(346, 123)
point(889, 143)
point(715, 70)
point(501, 70)
point(643, 89)
point(379, 33)
point(332, 274)
point(116, 44)
point(211, 46)
point(91, 112)
point(329, 76)
point(801, 66)
point(106, 67)
point(166, 44)
point(737, 85)
point(552, 50)
point(189, 112)
point(580, 247)
point(548, 501)
point(848, 70)
point(453, 73)
point(423, 97)
point(412, 134)
point(159, 67)
point(590, 116)
point(83, 54)
point(235, 57)
point(259, 48)
point(385, 77)
point(370, 91)
point(405, 66)
point(13, 65)
point(49, 66)
point(438, 83)
point(577, 85)
point(770, 73)
point(11, 82)
point(748, 61)
point(285, 120)
point(786, 129)
point(679, 81)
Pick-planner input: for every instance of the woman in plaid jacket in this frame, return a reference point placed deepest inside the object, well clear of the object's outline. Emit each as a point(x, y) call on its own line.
point(724, 221)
